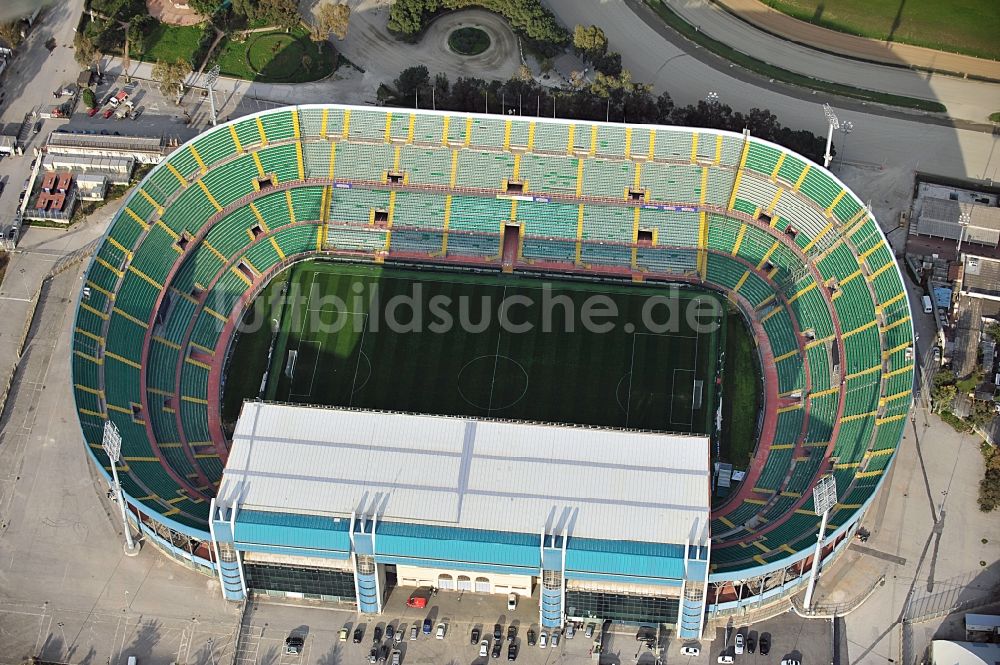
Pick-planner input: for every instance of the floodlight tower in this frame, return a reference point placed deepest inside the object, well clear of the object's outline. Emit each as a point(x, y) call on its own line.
point(210, 79)
point(824, 498)
point(112, 444)
point(834, 121)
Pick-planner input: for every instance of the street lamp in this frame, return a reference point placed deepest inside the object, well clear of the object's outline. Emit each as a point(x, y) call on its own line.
point(112, 444)
point(824, 498)
point(846, 127)
point(210, 79)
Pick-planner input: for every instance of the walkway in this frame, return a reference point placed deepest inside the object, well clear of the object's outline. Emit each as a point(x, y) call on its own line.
point(839, 43)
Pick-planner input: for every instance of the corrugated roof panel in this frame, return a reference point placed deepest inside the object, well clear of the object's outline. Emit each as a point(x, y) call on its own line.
point(473, 474)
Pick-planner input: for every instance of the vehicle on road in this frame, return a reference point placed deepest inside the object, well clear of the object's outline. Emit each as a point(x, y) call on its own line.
point(739, 644)
point(765, 643)
point(484, 648)
point(690, 651)
point(475, 636)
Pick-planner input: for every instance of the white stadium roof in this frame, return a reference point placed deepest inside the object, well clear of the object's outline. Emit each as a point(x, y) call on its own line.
point(468, 473)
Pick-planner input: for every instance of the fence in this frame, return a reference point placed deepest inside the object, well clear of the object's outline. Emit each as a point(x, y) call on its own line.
point(830, 610)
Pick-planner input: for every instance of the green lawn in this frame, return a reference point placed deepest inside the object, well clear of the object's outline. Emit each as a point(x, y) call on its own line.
point(961, 26)
point(468, 41)
point(277, 57)
point(741, 386)
point(171, 43)
point(339, 349)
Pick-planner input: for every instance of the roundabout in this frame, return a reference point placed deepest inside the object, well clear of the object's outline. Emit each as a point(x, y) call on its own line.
point(468, 41)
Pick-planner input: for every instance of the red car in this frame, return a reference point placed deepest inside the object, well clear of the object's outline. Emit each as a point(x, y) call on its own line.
point(92, 112)
point(108, 113)
point(417, 599)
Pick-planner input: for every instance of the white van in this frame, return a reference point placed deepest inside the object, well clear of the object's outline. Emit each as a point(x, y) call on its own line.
point(928, 305)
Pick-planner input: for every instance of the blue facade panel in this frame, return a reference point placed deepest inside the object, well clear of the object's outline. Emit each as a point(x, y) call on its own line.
point(697, 570)
point(446, 544)
point(653, 560)
point(311, 532)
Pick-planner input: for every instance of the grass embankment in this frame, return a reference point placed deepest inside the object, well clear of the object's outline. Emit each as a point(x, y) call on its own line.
point(778, 74)
point(969, 27)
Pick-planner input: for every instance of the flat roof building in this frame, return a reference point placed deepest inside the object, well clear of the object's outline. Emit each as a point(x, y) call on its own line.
point(465, 504)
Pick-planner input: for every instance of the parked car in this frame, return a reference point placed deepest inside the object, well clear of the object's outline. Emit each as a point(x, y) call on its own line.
point(92, 112)
point(343, 634)
point(765, 643)
point(512, 651)
point(739, 644)
point(358, 634)
point(427, 626)
point(484, 648)
point(554, 639)
point(389, 632)
point(497, 647)
point(511, 632)
point(511, 602)
point(383, 653)
point(440, 631)
point(543, 640)
point(413, 632)
point(293, 645)
point(377, 635)
point(475, 636)
point(751, 641)
point(570, 630)
point(418, 598)
point(532, 638)
point(137, 112)
point(690, 651)
point(590, 630)
point(497, 631)
point(396, 655)
point(373, 654)
point(726, 660)
point(107, 114)
point(398, 635)
point(790, 661)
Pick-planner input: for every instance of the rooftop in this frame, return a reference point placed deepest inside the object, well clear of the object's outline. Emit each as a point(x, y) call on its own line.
point(475, 474)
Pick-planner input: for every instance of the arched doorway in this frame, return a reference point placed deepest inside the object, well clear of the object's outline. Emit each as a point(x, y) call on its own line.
point(446, 583)
point(464, 583)
point(483, 585)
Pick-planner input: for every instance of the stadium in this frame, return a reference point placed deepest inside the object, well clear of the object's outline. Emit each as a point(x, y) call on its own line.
point(276, 434)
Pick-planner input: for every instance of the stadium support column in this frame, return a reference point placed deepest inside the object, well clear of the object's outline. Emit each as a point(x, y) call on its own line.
point(824, 498)
point(369, 577)
point(552, 599)
point(222, 526)
point(694, 589)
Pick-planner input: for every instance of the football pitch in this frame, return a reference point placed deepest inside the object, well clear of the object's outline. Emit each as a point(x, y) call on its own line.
point(482, 345)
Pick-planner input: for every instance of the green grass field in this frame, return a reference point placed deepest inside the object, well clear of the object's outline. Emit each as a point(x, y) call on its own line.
point(960, 26)
point(337, 348)
point(741, 389)
point(277, 57)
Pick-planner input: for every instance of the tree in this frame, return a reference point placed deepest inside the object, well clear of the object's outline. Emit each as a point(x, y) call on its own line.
point(981, 413)
point(993, 331)
point(171, 75)
point(284, 13)
point(989, 486)
point(10, 32)
point(140, 29)
point(85, 51)
point(333, 18)
point(89, 100)
point(410, 82)
point(590, 41)
point(204, 7)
